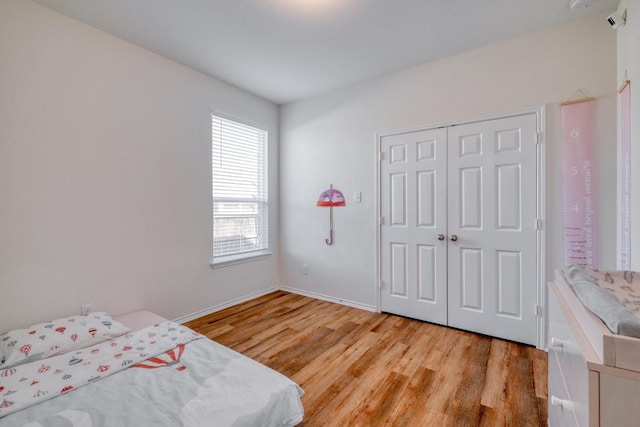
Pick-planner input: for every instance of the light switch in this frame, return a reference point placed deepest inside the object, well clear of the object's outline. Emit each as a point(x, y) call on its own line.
point(357, 196)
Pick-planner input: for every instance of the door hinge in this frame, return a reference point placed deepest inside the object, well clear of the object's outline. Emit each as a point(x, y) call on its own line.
point(380, 284)
point(381, 220)
point(381, 155)
point(538, 224)
point(539, 138)
point(539, 311)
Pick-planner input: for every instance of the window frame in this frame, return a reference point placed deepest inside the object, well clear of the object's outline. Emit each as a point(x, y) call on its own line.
point(242, 257)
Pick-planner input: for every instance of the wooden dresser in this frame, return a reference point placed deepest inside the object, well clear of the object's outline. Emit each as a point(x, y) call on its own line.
point(583, 390)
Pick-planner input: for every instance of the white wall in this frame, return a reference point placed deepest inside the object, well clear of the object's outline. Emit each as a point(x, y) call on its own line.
point(629, 62)
point(331, 139)
point(105, 175)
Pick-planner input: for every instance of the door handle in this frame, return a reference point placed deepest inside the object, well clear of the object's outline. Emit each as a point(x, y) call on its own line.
point(453, 237)
point(440, 236)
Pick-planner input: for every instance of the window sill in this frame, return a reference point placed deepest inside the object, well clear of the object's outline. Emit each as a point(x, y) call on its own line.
point(239, 259)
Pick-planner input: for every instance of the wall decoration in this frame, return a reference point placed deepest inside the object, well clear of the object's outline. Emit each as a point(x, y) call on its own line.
point(625, 175)
point(330, 198)
point(578, 185)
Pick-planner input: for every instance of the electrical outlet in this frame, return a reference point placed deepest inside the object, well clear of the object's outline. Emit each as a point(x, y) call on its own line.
point(305, 269)
point(86, 308)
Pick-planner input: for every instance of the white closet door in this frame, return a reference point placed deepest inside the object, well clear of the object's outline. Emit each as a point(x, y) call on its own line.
point(492, 208)
point(413, 204)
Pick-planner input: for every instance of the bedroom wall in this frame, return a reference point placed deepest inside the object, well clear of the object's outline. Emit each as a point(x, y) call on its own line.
point(629, 62)
point(105, 193)
point(331, 139)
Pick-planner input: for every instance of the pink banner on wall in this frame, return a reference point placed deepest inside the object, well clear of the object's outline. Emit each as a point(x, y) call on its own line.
point(625, 176)
point(578, 185)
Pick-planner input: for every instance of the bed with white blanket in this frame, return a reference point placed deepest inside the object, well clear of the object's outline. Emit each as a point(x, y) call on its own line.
point(164, 374)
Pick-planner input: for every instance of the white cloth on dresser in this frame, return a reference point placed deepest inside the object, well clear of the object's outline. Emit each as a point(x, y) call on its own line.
point(602, 302)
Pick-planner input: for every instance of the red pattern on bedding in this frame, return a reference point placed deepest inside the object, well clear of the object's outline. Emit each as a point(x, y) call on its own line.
point(159, 362)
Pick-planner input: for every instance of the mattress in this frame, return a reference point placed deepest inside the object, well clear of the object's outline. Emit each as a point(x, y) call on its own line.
point(140, 319)
point(162, 374)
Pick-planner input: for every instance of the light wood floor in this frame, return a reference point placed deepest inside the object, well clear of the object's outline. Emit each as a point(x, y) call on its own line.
point(360, 368)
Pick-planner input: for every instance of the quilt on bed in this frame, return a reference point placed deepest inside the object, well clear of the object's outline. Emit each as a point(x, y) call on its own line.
point(164, 375)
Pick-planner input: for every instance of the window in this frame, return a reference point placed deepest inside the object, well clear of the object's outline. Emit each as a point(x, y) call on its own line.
point(239, 190)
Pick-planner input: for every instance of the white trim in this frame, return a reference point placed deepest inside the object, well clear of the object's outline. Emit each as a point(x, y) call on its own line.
point(239, 258)
point(483, 118)
point(239, 119)
point(219, 307)
point(541, 233)
point(540, 112)
point(378, 223)
point(328, 298)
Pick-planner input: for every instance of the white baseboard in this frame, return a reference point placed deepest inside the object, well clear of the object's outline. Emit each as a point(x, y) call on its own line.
point(255, 295)
point(328, 298)
point(227, 304)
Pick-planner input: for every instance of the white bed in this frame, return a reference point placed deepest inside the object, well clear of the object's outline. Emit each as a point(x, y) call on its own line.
point(160, 374)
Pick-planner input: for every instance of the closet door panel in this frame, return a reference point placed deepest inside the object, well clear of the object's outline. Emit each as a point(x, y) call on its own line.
point(458, 231)
point(413, 266)
point(491, 166)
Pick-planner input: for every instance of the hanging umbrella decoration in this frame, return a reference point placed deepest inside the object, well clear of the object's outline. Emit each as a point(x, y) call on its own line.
point(331, 197)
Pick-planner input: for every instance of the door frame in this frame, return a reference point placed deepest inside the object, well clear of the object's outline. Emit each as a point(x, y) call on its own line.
point(541, 291)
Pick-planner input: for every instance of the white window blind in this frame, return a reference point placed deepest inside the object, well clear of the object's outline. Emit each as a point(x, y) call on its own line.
point(239, 189)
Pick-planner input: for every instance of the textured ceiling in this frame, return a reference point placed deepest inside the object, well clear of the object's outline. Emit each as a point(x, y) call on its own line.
point(286, 50)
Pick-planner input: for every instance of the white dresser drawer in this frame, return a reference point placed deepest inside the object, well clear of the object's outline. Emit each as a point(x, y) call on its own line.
point(565, 353)
point(575, 376)
point(561, 413)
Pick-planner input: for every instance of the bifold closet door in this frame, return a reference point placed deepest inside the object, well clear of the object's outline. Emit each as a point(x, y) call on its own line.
point(458, 234)
point(492, 212)
point(413, 268)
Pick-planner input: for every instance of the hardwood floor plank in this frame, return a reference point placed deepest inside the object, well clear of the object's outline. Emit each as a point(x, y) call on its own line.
point(539, 372)
point(227, 313)
point(368, 325)
point(468, 395)
point(305, 357)
point(360, 368)
point(494, 384)
point(413, 358)
point(318, 406)
point(381, 402)
point(267, 350)
point(414, 405)
point(335, 361)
